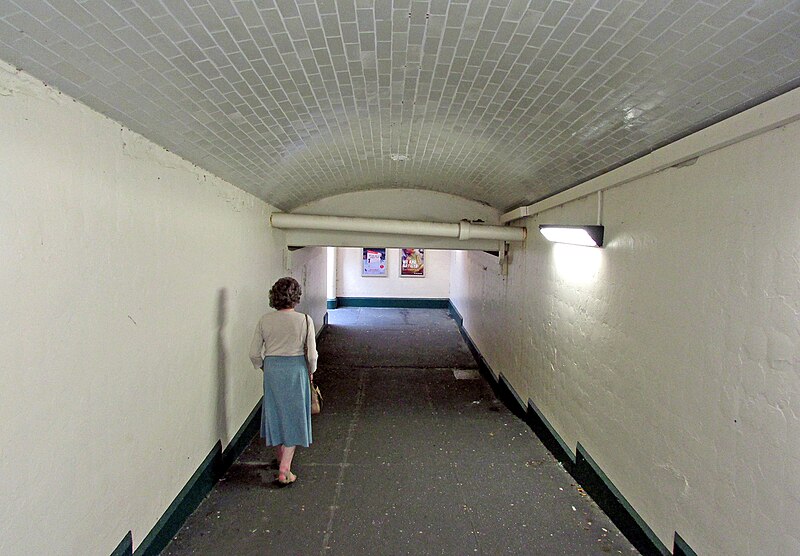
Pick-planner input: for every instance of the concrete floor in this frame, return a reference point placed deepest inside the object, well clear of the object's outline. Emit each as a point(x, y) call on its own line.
point(407, 459)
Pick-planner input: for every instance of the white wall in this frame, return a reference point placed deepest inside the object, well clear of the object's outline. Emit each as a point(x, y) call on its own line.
point(350, 283)
point(130, 285)
point(673, 354)
point(402, 204)
point(310, 268)
point(331, 271)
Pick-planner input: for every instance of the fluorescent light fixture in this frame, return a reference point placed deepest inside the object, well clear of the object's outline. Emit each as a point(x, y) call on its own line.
point(590, 236)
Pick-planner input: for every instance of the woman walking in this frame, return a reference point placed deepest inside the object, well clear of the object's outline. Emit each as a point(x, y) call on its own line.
point(284, 347)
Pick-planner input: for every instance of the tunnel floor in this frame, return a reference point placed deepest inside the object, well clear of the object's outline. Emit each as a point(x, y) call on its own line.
point(412, 454)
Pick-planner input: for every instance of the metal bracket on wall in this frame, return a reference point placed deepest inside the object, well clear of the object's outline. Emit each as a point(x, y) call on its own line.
point(287, 259)
point(504, 258)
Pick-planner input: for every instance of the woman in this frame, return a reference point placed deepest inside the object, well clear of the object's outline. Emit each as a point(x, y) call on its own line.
point(282, 343)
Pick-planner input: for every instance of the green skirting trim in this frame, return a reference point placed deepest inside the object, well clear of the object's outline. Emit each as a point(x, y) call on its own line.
point(508, 395)
point(242, 439)
point(484, 367)
point(125, 547)
point(482, 364)
point(393, 302)
point(322, 328)
point(331, 304)
point(549, 437)
point(580, 465)
point(197, 488)
point(597, 484)
point(681, 548)
point(455, 314)
point(184, 504)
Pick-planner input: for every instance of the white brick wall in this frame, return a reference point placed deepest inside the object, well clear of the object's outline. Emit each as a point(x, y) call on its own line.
point(673, 354)
point(130, 286)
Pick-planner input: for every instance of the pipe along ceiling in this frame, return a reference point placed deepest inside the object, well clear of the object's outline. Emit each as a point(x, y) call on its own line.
point(462, 230)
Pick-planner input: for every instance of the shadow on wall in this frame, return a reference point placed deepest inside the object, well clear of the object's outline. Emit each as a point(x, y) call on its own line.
point(222, 366)
point(215, 464)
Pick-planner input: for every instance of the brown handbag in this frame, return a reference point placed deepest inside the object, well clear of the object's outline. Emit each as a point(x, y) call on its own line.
point(316, 395)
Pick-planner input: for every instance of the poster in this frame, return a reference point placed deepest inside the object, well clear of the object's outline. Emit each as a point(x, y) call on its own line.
point(373, 261)
point(412, 262)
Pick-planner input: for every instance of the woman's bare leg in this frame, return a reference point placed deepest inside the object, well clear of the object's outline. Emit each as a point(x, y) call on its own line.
point(284, 470)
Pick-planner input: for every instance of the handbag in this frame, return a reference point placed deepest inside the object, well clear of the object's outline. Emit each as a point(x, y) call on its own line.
point(316, 399)
point(316, 395)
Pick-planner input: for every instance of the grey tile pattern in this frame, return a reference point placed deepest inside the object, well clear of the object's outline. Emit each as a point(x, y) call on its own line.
point(501, 101)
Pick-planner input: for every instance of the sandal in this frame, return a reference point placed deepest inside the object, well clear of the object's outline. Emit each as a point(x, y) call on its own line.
point(286, 479)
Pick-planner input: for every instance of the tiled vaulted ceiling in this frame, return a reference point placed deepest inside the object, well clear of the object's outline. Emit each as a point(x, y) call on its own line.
point(501, 101)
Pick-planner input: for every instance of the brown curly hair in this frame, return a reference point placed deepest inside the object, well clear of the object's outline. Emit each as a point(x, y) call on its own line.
point(285, 293)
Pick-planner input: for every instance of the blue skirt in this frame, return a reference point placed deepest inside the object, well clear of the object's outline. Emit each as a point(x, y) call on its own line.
point(286, 413)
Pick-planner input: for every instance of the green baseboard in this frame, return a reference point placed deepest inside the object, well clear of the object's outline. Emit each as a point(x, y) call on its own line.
point(502, 388)
point(455, 314)
point(483, 366)
point(242, 438)
point(213, 467)
point(125, 547)
point(549, 437)
point(322, 328)
point(184, 504)
point(508, 395)
point(331, 304)
point(393, 302)
point(579, 464)
point(597, 484)
point(681, 547)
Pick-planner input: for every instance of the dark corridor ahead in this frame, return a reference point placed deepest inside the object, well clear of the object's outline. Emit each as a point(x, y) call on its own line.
point(412, 454)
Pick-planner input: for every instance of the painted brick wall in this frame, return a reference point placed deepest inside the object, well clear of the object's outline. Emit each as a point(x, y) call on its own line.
point(130, 285)
point(673, 354)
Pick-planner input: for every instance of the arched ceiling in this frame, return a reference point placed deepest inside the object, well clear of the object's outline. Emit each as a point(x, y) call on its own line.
point(499, 101)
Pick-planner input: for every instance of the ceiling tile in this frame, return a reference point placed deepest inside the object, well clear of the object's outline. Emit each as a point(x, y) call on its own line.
point(504, 102)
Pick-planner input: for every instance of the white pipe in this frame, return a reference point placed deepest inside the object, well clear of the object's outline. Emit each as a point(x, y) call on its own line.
point(462, 230)
point(599, 207)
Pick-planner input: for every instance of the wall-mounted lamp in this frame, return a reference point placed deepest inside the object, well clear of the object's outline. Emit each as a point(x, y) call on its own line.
point(589, 235)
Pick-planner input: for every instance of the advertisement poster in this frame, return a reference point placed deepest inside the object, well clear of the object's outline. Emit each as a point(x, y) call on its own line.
point(412, 262)
point(373, 261)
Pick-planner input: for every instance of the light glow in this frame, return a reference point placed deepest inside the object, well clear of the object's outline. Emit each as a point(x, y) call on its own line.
point(577, 265)
point(574, 235)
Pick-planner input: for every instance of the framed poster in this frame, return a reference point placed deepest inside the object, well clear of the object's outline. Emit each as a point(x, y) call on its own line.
point(412, 262)
point(373, 261)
